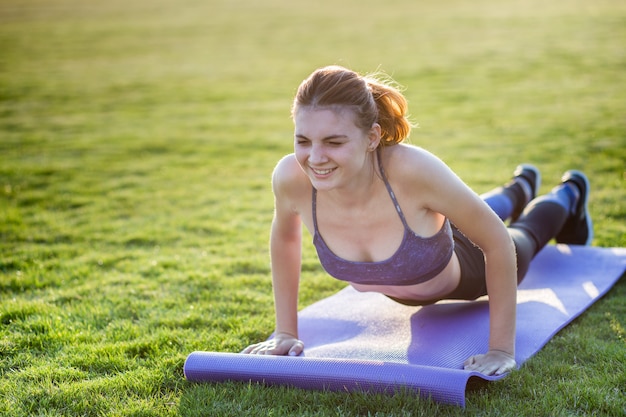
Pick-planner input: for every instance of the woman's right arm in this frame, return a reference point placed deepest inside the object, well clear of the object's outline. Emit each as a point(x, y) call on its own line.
point(285, 255)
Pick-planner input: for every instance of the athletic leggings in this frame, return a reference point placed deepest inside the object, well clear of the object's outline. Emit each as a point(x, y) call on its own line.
point(540, 221)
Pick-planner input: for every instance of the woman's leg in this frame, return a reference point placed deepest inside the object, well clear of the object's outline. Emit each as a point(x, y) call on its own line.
point(560, 214)
point(509, 200)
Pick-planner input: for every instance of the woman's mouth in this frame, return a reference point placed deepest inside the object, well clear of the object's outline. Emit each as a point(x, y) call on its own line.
point(322, 171)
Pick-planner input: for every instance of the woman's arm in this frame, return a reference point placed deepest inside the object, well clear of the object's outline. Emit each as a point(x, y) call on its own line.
point(285, 255)
point(501, 277)
point(448, 195)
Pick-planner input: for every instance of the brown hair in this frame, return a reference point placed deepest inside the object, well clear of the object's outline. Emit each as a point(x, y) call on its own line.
point(372, 100)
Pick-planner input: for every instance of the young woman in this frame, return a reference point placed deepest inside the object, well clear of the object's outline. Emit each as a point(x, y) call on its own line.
point(390, 217)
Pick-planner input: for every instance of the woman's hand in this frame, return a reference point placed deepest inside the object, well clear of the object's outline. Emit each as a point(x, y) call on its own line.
point(281, 344)
point(494, 362)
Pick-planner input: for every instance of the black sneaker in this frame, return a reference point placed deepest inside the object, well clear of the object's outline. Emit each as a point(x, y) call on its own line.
point(578, 229)
point(532, 181)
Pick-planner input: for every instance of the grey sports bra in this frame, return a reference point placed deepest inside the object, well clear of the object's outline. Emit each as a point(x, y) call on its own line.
point(417, 260)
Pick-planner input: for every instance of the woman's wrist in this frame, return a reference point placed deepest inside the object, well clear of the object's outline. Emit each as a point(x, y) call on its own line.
point(512, 355)
point(285, 334)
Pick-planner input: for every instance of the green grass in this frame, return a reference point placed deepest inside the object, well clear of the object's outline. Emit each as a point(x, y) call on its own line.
point(136, 145)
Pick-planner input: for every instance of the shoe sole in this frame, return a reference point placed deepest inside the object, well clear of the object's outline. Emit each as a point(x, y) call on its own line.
point(585, 206)
point(587, 215)
point(537, 183)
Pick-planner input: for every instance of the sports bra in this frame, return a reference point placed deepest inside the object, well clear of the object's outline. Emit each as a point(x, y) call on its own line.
point(417, 260)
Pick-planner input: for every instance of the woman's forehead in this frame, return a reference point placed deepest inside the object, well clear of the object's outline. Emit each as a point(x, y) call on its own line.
point(328, 114)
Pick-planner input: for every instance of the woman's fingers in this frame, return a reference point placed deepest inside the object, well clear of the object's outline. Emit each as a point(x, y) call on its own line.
point(494, 362)
point(279, 346)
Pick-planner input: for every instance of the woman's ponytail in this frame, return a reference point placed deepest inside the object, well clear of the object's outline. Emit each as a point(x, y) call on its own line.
point(392, 109)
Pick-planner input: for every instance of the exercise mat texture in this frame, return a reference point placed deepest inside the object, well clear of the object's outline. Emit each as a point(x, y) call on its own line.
point(365, 341)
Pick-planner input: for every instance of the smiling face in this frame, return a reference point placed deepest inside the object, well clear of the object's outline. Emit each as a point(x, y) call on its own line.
point(331, 149)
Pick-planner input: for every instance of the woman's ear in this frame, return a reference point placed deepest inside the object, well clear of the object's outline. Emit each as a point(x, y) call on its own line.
point(374, 137)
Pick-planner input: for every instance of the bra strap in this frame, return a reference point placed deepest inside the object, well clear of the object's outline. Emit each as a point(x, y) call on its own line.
point(314, 207)
point(389, 190)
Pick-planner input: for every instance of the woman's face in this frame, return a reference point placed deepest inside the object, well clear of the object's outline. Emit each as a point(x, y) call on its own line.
point(331, 149)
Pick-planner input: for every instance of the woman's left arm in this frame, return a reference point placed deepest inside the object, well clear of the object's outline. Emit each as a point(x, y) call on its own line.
point(501, 277)
point(451, 197)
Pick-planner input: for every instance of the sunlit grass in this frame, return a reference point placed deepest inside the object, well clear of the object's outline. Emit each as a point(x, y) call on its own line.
point(137, 141)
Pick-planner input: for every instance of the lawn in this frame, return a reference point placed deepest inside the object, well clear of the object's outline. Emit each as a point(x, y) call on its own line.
point(137, 141)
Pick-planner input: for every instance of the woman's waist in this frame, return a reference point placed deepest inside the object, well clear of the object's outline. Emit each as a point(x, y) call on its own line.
point(443, 283)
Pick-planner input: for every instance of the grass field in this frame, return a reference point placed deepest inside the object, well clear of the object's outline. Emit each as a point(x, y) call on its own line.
point(137, 140)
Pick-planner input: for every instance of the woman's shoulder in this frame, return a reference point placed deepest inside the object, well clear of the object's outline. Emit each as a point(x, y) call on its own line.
point(411, 162)
point(288, 178)
point(412, 168)
point(287, 169)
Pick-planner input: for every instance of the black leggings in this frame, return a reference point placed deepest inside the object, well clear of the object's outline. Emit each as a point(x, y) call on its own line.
point(529, 237)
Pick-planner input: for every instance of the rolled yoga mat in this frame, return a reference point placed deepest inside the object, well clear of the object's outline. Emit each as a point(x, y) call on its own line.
point(365, 341)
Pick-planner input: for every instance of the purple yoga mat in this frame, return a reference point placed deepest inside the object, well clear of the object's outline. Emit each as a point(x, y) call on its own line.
point(365, 341)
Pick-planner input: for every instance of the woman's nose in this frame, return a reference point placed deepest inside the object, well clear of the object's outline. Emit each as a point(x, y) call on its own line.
point(317, 154)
